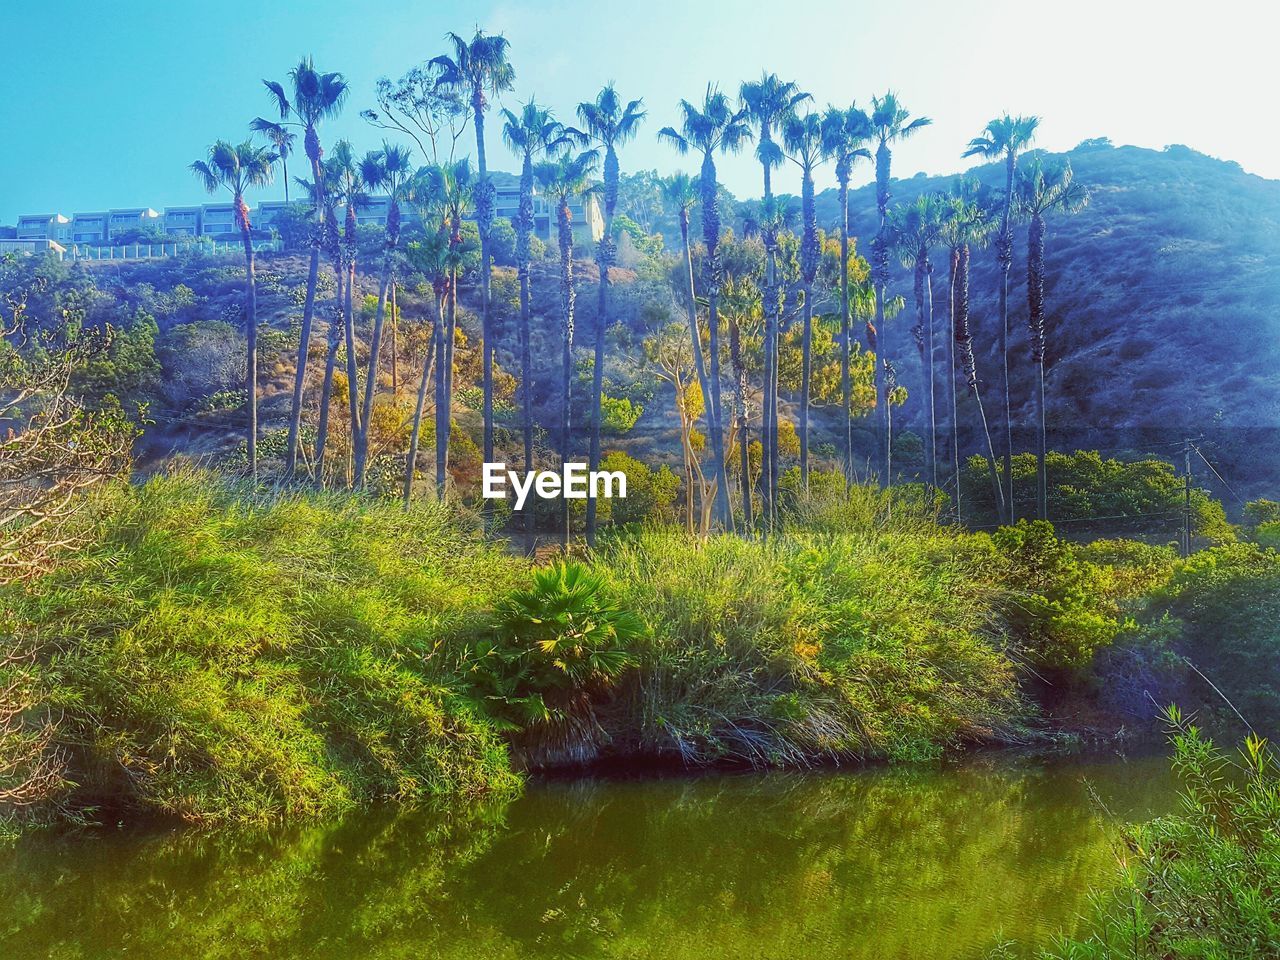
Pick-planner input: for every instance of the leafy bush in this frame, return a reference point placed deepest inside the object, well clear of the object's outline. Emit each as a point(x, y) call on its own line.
point(224, 656)
point(1203, 883)
point(618, 414)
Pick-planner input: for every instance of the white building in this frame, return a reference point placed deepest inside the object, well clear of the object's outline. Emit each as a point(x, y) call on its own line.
point(218, 220)
point(127, 219)
point(44, 226)
point(182, 221)
point(39, 246)
point(89, 227)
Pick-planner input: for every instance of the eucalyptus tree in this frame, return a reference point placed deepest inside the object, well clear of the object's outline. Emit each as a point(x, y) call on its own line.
point(802, 134)
point(607, 125)
point(479, 68)
point(387, 170)
point(312, 97)
point(445, 195)
point(916, 229)
point(1004, 138)
point(768, 101)
point(890, 123)
point(969, 224)
point(844, 137)
point(680, 192)
point(530, 134)
point(1042, 189)
point(565, 176)
point(237, 169)
point(713, 126)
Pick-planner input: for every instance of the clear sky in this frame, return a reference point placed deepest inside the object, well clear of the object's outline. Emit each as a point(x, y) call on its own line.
point(105, 104)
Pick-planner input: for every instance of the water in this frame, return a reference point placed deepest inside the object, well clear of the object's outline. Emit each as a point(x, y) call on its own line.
point(933, 863)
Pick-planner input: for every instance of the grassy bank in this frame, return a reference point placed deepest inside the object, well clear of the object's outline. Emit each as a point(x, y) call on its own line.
point(223, 655)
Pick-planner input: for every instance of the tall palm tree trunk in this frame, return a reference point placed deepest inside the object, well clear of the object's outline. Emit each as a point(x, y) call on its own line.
point(567, 295)
point(876, 334)
point(1036, 320)
point(411, 461)
point(711, 238)
point(326, 390)
point(300, 369)
point(312, 143)
point(740, 413)
point(375, 340)
point(846, 379)
point(604, 259)
point(1004, 251)
point(806, 364)
point(773, 323)
point(251, 343)
point(353, 371)
point(951, 381)
point(699, 362)
point(484, 220)
point(444, 386)
point(395, 323)
point(964, 346)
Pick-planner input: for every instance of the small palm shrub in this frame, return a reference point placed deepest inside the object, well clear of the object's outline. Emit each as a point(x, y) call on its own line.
point(558, 645)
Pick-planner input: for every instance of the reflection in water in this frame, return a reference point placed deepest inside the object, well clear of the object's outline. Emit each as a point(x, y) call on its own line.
point(886, 863)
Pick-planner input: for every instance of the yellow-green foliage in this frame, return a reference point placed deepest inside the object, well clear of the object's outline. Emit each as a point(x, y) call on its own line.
point(222, 656)
point(813, 645)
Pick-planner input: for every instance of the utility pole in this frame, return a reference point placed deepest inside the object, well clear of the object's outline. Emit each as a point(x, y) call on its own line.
point(1186, 501)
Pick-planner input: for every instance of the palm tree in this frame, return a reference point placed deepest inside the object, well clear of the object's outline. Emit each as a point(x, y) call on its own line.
point(564, 177)
point(915, 229)
point(608, 125)
point(388, 170)
point(969, 224)
point(768, 101)
point(1005, 137)
point(447, 191)
point(236, 169)
point(1042, 189)
point(844, 133)
point(890, 123)
point(680, 192)
point(480, 68)
point(283, 140)
point(714, 126)
point(802, 134)
point(742, 305)
point(313, 98)
point(530, 134)
point(345, 185)
point(433, 256)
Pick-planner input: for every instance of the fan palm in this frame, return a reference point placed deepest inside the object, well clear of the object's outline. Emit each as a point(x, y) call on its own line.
point(915, 229)
point(530, 134)
point(312, 98)
point(768, 101)
point(607, 124)
point(714, 126)
point(565, 176)
point(282, 139)
point(968, 224)
point(387, 170)
point(890, 123)
point(1042, 188)
point(802, 134)
point(479, 67)
point(237, 169)
point(844, 135)
point(445, 195)
point(1004, 138)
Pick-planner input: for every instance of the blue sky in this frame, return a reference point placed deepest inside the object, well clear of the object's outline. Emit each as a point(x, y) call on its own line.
point(106, 104)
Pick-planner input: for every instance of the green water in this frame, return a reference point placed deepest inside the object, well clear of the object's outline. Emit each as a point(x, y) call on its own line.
point(931, 863)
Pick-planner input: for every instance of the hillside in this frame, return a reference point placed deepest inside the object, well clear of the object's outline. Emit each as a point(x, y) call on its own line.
point(1163, 300)
point(1163, 312)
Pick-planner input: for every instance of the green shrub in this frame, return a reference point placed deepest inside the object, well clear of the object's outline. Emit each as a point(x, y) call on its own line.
point(227, 656)
point(1203, 883)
